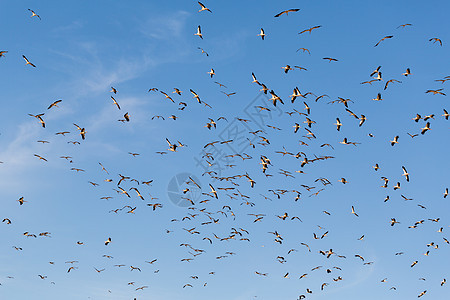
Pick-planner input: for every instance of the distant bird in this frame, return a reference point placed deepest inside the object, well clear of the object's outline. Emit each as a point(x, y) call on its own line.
point(436, 40)
point(286, 12)
point(353, 211)
point(54, 104)
point(404, 25)
point(435, 92)
point(82, 131)
point(28, 62)
point(330, 59)
point(199, 32)
point(310, 29)
point(107, 241)
point(21, 201)
point(389, 81)
point(33, 14)
point(395, 141)
point(203, 7)
point(115, 102)
point(405, 173)
point(304, 50)
point(262, 34)
point(446, 114)
point(426, 128)
point(338, 124)
point(2, 53)
point(203, 51)
point(378, 98)
point(386, 37)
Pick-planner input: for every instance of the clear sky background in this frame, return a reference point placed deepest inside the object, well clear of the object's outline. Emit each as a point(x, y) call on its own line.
point(83, 48)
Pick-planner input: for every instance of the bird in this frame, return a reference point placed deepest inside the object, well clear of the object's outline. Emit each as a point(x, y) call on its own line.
point(28, 62)
point(199, 32)
point(435, 92)
point(330, 59)
point(304, 50)
point(33, 14)
point(286, 12)
point(213, 191)
point(2, 53)
point(115, 102)
point(426, 128)
point(54, 104)
point(338, 124)
point(389, 81)
point(107, 241)
point(196, 96)
point(377, 70)
point(203, 52)
point(203, 7)
point(446, 114)
point(436, 40)
point(353, 211)
point(421, 294)
point(172, 147)
point(229, 94)
point(404, 25)
point(40, 157)
point(378, 98)
point(395, 141)
point(405, 173)
point(82, 131)
point(310, 29)
point(262, 34)
point(386, 37)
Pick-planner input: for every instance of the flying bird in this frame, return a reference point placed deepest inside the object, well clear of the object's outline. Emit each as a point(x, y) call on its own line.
point(203, 7)
point(386, 37)
point(28, 62)
point(54, 104)
point(262, 34)
point(436, 40)
point(286, 12)
point(199, 32)
point(33, 14)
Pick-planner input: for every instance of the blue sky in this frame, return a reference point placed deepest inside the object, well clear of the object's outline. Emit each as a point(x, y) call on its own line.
point(82, 49)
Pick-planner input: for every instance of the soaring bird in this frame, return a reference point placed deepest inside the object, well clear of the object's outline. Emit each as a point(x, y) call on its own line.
point(405, 173)
point(54, 104)
point(28, 62)
point(395, 141)
point(386, 37)
point(286, 12)
point(310, 29)
point(436, 40)
point(203, 7)
point(199, 32)
point(262, 34)
point(115, 102)
point(33, 14)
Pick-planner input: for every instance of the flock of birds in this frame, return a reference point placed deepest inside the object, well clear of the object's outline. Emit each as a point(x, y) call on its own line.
point(228, 190)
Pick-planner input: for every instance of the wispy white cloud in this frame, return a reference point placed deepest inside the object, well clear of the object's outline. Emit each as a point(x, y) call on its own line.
point(166, 27)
